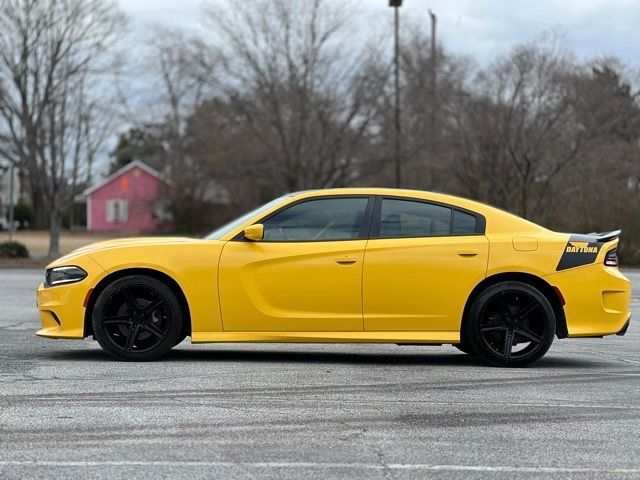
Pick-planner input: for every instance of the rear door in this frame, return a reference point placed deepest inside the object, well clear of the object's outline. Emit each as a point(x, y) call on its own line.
point(421, 263)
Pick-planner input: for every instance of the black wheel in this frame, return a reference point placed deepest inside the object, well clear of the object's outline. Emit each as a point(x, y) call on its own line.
point(137, 318)
point(511, 324)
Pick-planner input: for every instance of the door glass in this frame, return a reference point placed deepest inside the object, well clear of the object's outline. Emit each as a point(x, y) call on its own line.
point(463, 223)
point(223, 230)
point(317, 220)
point(405, 218)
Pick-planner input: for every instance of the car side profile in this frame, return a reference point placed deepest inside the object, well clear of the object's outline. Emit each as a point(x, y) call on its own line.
point(358, 265)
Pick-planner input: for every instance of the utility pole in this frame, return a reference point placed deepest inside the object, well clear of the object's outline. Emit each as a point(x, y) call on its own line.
point(434, 52)
point(433, 114)
point(11, 175)
point(396, 4)
point(397, 119)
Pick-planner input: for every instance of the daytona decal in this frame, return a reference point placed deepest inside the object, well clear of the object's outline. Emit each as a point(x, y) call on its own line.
point(580, 250)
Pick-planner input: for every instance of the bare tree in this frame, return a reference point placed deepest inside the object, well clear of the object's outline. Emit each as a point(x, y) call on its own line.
point(170, 61)
point(517, 132)
point(52, 53)
point(305, 97)
point(606, 180)
point(426, 113)
point(173, 62)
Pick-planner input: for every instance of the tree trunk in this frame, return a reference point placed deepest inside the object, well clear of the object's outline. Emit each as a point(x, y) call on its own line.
point(38, 206)
point(54, 231)
point(72, 215)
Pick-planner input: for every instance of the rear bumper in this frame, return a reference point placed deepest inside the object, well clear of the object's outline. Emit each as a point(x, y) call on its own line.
point(597, 299)
point(622, 332)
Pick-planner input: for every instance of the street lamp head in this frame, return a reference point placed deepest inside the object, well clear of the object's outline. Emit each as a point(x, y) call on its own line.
point(395, 3)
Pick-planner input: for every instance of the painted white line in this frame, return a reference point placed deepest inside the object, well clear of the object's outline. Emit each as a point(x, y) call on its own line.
point(192, 399)
point(321, 465)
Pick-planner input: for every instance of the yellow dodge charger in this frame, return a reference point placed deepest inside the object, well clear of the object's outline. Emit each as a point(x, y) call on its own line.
point(353, 265)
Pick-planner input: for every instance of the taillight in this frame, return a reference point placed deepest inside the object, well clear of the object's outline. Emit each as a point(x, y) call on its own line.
point(611, 258)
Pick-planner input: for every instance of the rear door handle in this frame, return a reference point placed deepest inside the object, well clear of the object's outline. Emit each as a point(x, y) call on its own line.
point(346, 260)
point(467, 252)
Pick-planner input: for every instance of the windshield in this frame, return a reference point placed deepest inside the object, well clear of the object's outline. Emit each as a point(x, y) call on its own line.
point(223, 230)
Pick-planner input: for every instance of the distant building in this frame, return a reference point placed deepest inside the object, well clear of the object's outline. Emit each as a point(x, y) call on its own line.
point(133, 199)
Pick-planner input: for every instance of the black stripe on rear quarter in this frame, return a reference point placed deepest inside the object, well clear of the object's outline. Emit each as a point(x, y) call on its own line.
point(580, 250)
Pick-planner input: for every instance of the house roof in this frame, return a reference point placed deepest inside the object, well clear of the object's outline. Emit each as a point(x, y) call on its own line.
point(118, 173)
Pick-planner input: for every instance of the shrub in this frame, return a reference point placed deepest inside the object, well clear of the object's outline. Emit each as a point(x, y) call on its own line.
point(13, 250)
point(23, 215)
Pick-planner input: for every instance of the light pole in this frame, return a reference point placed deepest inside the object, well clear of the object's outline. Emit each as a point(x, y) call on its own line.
point(396, 4)
point(11, 206)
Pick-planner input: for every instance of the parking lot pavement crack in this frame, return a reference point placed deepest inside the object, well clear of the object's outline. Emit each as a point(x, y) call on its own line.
point(10, 326)
point(608, 355)
point(379, 455)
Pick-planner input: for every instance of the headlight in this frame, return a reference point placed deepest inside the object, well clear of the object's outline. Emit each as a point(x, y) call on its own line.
point(61, 275)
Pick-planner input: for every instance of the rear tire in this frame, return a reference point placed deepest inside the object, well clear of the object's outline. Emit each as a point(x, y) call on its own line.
point(510, 324)
point(137, 318)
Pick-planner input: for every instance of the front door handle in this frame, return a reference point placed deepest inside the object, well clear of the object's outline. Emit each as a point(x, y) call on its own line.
point(346, 260)
point(469, 252)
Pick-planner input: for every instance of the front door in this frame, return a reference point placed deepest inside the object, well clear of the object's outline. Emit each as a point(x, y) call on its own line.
point(421, 263)
point(306, 273)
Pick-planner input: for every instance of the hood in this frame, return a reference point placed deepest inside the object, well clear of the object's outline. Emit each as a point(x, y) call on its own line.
point(123, 242)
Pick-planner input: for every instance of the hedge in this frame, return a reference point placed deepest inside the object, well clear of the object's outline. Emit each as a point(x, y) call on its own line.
point(13, 250)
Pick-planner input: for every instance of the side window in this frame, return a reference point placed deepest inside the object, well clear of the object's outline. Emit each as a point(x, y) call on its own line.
point(463, 223)
point(405, 218)
point(316, 220)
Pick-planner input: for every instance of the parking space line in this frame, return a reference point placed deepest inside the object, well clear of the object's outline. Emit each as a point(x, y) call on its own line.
point(325, 465)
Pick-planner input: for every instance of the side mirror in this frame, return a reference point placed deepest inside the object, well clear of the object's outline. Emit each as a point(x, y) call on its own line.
point(254, 232)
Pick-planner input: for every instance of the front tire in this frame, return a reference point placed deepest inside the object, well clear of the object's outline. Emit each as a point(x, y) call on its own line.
point(137, 318)
point(510, 324)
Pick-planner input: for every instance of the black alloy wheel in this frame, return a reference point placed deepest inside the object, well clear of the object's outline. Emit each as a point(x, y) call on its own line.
point(137, 318)
point(511, 324)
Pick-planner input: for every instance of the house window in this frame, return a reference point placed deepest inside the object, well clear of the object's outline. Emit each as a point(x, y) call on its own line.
point(117, 211)
point(162, 210)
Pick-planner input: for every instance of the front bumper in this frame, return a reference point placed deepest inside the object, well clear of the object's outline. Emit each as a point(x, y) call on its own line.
point(61, 308)
point(597, 299)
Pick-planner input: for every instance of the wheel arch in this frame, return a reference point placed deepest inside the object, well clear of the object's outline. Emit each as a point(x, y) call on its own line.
point(149, 272)
point(551, 294)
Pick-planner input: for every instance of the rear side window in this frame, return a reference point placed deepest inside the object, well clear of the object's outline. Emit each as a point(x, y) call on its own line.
point(318, 220)
point(406, 218)
point(463, 223)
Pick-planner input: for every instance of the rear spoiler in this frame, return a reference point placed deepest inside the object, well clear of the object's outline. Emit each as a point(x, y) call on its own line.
point(605, 236)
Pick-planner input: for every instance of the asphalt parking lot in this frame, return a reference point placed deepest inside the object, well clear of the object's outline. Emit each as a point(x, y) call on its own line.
point(313, 411)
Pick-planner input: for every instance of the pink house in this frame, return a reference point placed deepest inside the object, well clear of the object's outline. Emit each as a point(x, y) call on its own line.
point(133, 199)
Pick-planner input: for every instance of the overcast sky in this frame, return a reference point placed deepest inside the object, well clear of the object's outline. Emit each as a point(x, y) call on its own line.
point(480, 28)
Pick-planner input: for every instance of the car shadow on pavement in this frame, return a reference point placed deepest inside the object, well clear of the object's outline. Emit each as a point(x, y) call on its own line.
point(430, 357)
point(341, 358)
point(327, 358)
